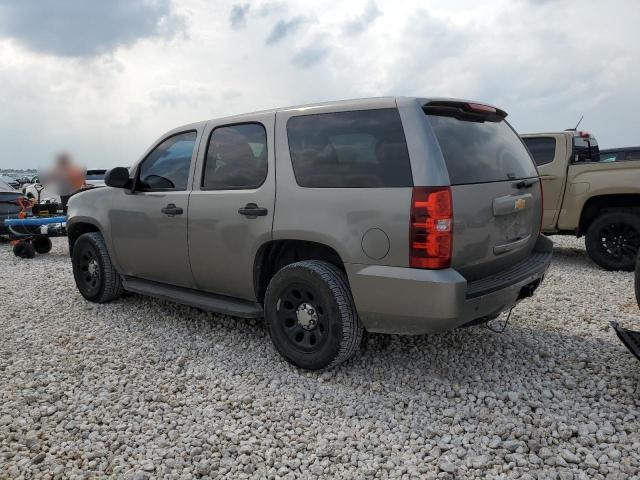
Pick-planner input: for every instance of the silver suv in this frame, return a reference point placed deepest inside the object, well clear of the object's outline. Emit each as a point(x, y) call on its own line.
point(393, 215)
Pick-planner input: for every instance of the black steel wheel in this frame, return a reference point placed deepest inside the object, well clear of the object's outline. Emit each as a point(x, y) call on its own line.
point(613, 240)
point(42, 244)
point(96, 278)
point(310, 315)
point(303, 317)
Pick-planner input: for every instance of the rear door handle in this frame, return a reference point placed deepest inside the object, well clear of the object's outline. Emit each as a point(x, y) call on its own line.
point(252, 210)
point(172, 210)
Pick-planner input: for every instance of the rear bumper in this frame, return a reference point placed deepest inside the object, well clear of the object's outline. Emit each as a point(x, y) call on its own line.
point(413, 301)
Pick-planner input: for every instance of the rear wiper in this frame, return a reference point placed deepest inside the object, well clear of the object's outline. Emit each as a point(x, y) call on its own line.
point(526, 183)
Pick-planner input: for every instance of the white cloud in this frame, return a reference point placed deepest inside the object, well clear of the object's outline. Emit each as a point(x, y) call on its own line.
point(545, 63)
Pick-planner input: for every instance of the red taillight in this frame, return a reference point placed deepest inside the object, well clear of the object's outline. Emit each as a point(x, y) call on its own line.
point(478, 107)
point(431, 229)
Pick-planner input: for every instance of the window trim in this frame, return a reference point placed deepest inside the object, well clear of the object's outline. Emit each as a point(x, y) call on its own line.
point(139, 166)
point(333, 112)
point(206, 156)
point(555, 147)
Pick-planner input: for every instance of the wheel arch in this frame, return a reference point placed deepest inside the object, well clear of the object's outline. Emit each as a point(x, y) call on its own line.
point(276, 254)
point(598, 204)
point(79, 227)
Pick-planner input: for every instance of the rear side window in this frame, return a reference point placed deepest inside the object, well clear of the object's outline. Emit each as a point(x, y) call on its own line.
point(543, 149)
point(167, 166)
point(361, 149)
point(236, 157)
point(481, 151)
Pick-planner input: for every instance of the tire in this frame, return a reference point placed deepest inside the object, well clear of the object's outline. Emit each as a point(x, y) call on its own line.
point(613, 240)
point(310, 315)
point(96, 278)
point(24, 249)
point(42, 244)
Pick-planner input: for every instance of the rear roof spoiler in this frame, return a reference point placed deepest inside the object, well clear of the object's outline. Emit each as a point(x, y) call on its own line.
point(468, 111)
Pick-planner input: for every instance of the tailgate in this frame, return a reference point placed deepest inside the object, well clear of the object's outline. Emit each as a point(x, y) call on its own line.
point(496, 225)
point(495, 189)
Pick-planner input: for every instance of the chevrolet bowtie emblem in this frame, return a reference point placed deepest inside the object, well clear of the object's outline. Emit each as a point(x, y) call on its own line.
point(521, 203)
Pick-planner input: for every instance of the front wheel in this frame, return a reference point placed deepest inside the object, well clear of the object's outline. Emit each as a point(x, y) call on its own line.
point(613, 240)
point(96, 278)
point(310, 315)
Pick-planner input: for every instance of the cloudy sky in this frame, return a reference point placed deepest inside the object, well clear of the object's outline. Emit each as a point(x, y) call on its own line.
point(104, 79)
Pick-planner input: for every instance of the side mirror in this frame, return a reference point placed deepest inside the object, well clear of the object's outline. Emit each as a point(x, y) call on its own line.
point(118, 178)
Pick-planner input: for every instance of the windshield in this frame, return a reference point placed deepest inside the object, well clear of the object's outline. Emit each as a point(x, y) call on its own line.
point(481, 151)
point(5, 186)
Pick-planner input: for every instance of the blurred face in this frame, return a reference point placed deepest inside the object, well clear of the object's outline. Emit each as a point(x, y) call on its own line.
point(63, 160)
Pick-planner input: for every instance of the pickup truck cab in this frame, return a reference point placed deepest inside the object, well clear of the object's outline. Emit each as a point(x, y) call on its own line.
point(588, 194)
point(390, 215)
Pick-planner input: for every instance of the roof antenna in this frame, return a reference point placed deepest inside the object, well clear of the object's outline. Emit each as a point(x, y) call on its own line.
point(576, 127)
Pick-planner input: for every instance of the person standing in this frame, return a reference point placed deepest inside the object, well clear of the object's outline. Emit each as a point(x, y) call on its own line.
point(66, 178)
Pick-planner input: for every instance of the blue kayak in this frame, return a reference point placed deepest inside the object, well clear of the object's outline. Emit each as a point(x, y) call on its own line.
point(33, 221)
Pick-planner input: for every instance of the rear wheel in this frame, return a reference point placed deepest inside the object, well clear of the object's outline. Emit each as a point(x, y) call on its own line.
point(96, 278)
point(613, 240)
point(310, 315)
point(42, 244)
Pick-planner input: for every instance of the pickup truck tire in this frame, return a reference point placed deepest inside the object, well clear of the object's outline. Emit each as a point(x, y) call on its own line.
point(96, 278)
point(613, 240)
point(310, 315)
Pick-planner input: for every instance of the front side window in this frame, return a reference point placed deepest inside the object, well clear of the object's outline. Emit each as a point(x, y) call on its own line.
point(236, 157)
point(543, 149)
point(360, 149)
point(167, 166)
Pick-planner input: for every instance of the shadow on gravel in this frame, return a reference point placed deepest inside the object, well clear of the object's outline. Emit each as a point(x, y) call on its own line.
point(573, 256)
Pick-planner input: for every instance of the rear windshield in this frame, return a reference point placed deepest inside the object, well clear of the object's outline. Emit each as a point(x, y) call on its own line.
point(481, 152)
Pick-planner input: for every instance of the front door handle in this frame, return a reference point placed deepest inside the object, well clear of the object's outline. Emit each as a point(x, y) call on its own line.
point(172, 210)
point(252, 210)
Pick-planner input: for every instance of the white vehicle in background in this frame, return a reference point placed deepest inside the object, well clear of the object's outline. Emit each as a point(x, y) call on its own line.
point(95, 177)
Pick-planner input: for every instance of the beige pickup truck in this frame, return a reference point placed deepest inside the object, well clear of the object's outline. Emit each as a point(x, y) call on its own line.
point(586, 196)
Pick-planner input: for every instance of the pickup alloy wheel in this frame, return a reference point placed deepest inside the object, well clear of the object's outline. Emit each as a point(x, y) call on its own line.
point(613, 240)
point(310, 315)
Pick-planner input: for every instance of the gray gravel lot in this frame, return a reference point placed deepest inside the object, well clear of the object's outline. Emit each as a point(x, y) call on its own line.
point(141, 388)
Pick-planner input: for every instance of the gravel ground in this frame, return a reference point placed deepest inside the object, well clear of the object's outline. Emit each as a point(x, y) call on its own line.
point(141, 388)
